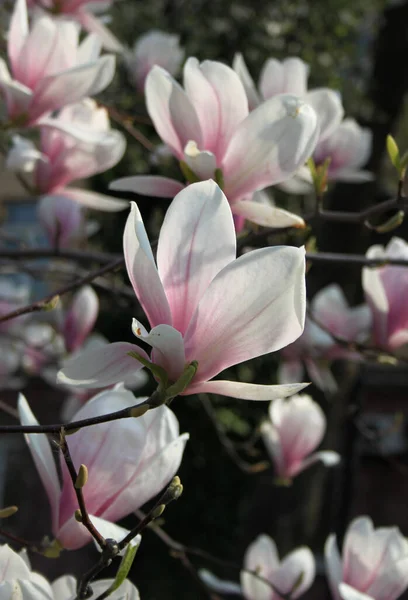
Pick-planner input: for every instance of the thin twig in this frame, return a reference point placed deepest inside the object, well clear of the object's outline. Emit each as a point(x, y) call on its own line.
point(126, 123)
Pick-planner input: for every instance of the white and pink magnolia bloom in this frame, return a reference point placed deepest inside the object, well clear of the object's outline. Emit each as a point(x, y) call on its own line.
point(386, 290)
point(292, 576)
point(121, 476)
point(316, 347)
point(207, 126)
point(77, 144)
point(294, 430)
point(79, 319)
point(154, 48)
point(49, 68)
point(190, 300)
point(374, 565)
point(62, 220)
point(290, 76)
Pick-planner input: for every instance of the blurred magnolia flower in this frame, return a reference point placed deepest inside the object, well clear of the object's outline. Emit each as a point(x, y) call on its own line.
point(329, 314)
point(348, 148)
point(49, 68)
point(374, 565)
point(386, 291)
point(190, 300)
point(62, 220)
point(295, 428)
point(77, 144)
point(154, 48)
point(79, 319)
point(18, 581)
point(208, 128)
point(292, 576)
point(121, 476)
point(83, 11)
point(290, 76)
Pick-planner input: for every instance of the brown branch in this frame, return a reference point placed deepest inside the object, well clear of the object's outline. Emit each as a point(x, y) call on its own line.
point(126, 123)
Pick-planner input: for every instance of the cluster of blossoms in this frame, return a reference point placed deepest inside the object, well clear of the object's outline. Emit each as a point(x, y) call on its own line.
point(207, 308)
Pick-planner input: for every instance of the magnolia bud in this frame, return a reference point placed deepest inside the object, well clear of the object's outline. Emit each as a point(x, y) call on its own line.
point(61, 219)
point(8, 511)
point(82, 477)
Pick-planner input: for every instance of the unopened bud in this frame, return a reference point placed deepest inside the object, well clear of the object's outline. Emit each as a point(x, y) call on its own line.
point(174, 490)
point(51, 304)
point(82, 477)
point(158, 511)
point(7, 512)
point(78, 515)
point(392, 223)
point(138, 411)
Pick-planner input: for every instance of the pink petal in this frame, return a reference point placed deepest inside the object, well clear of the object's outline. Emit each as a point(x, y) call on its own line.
point(142, 270)
point(18, 31)
point(94, 25)
point(329, 109)
point(171, 111)
point(41, 452)
point(270, 437)
point(80, 319)
point(101, 367)
point(349, 593)
point(245, 391)
point(262, 557)
point(269, 146)
point(148, 185)
point(286, 77)
point(270, 313)
point(197, 240)
point(266, 216)
point(333, 565)
point(241, 70)
point(299, 563)
point(94, 200)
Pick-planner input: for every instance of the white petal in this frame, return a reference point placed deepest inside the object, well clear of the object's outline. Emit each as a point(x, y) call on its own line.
point(148, 185)
point(246, 391)
point(267, 216)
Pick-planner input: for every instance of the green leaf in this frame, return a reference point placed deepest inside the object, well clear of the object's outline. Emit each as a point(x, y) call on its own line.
point(188, 173)
point(393, 152)
point(124, 568)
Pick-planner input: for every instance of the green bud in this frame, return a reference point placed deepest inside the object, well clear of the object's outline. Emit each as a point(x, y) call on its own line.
point(158, 511)
point(53, 549)
point(393, 152)
point(139, 411)
point(82, 477)
point(51, 304)
point(78, 515)
point(8, 511)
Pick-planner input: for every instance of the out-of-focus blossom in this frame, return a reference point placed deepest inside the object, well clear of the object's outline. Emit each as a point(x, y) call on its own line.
point(76, 145)
point(80, 319)
point(386, 290)
point(154, 48)
point(374, 565)
point(329, 314)
point(347, 148)
point(292, 576)
point(49, 68)
point(208, 127)
point(121, 476)
point(294, 430)
point(62, 220)
point(83, 11)
point(18, 581)
point(190, 300)
point(290, 77)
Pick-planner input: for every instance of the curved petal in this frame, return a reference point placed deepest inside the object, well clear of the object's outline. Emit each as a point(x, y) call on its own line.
point(197, 240)
point(240, 68)
point(269, 146)
point(270, 437)
point(101, 367)
point(13, 566)
point(297, 566)
point(18, 31)
point(266, 216)
point(168, 347)
point(94, 200)
point(349, 593)
point(203, 164)
point(64, 587)
point(142, 270)
point(333, 565)
point(283, 77)
point(148, 185)
point(127, 590)
point(270, 285)
point(94, 25)
point(376, 295)
point(41, 452)
point(215, 584)
point(171, 111)
point(245, 391)
point(261, 557)
point(329, 109)
point(80, 318)
point(328, 457)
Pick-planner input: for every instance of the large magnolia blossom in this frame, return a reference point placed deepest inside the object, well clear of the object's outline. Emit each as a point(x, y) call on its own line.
point(49, 68)
point(202, 303)
point(77, 144)
point(294, 430)
point(121, 476)
point(207, 126)
point(18, 581)
point(386, 290)
point(374, 565)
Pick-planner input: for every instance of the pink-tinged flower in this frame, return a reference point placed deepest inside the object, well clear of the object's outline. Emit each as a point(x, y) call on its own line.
point(329, 314)
point(81, 11)
point(348, 148)
point(49, 68)
point(62, 220)
point(154, 48)
point(290, 77)
point(386, 291)
point(295, 428)
point(80, 319)
point(76, 145)
point(190, 300)
point(122, 476)
point(374, 565)
point(208, 127)
point(18, 581)
point(292, 576)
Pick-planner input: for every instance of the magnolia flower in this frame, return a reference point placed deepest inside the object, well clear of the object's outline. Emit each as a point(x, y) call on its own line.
point(386, 291)
point(208, 128)
point(81, 11)
point(330, 314)
point(122, 476)
point(295, 428)
point(49, 69)
point(154, 48)
point(19, 581)
point(76, 145)
point(190, 300)
point(347, 149)
point(290, 77)
point(62, 220)
point(80, 319)
point(374, 565)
